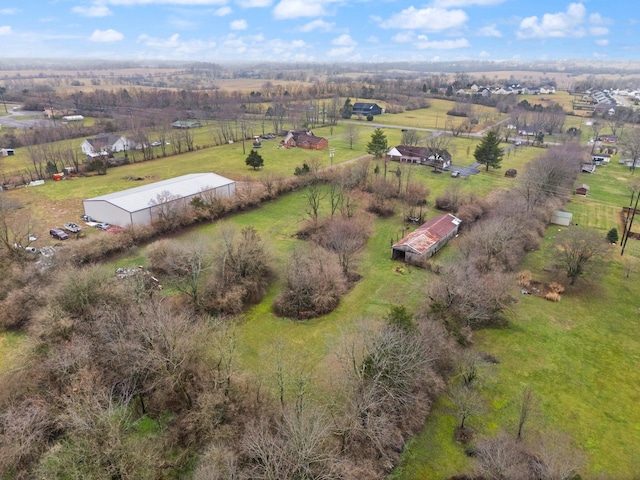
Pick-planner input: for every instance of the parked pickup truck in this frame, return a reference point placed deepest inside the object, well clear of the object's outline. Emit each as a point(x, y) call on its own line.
point(72, 227)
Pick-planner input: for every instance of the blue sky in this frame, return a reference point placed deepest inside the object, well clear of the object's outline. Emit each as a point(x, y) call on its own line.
point(319, 30)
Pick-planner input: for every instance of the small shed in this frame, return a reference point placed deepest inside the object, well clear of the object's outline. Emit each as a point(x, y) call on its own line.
point(600, 158)
point(582, 189)
point(561, 218)
point(511, 173)
point(588, 168)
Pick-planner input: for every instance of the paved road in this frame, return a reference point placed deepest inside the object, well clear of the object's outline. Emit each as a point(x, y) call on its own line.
point(467, 171)
point(15, 120)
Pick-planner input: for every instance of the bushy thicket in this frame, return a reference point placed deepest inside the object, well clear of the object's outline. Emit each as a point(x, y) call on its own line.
point(120, 380)
point(314, 284)
point(500, 230)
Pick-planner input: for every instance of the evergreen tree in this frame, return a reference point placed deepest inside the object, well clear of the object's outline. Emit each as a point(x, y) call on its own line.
point(347, 109)
point(612, 235)
point(254, 160)
point(378, 144)
point(489, 152)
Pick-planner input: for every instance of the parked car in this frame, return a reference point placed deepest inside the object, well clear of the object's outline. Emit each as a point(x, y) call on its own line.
point(103, 226)
point(72, 227)
point(58, 233)
point(87, 218)
point(156, 144)
point(31, 249)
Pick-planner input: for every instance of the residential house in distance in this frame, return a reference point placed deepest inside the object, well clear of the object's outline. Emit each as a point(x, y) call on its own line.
point(365, 109)
point(106, 143)
point(420, 155)
point(427, 239)
point(304, 139)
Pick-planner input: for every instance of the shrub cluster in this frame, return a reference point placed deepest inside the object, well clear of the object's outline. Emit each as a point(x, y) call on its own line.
point(474, 291)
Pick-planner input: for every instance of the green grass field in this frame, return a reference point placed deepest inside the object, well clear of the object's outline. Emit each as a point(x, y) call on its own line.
point(579, 355)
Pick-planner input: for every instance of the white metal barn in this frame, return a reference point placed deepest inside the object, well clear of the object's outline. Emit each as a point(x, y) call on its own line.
point(140, 205)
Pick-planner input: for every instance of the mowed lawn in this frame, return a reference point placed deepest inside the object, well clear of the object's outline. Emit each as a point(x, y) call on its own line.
point(579, 356)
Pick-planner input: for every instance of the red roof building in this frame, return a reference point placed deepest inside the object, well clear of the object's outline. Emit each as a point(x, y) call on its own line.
point(304, 139)
point(427, 239)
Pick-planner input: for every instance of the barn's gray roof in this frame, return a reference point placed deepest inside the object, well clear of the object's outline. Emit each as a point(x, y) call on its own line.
point(139, 198)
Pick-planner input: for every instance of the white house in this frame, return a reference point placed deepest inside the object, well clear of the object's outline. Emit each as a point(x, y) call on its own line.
point(107, 143)
point(143, 205)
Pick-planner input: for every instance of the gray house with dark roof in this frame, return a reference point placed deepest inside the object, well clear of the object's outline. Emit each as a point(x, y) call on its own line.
point(364, 109)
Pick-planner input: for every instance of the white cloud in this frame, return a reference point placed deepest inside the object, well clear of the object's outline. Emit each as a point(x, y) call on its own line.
point(373, 39)
point(465, 3)
point(167, 2)
point(340, 52)
point(182, 24)
point(171, 42)
point(9, 11)
point(484, 54)
point(423, 43)
point(5, 30)
point(174, 46)
point(93, 11)
point(106, 36)
point(223, 11)
point(562, 24)
point(598, 31)
point(403, 37)
point(344, 40)
point(318, 24)
point(254, 3)
point(490, 31)
point(238, 25)
point(603, 42)
point(426, 19)
point(299, 8)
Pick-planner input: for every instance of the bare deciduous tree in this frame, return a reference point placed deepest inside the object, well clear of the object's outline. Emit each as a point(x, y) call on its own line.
point(314, 195)
point(346, 237)
point(410, 137)
point(577, 249)
point(501, 458)
point(351, 133)
point(314, 284)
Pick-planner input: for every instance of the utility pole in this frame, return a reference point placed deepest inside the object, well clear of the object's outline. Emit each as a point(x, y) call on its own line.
point(627, 228)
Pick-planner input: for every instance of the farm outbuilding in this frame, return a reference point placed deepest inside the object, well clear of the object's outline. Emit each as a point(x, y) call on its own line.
point(142, 205)
point(427, 239)
point(561, 218)
point(582, 189)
